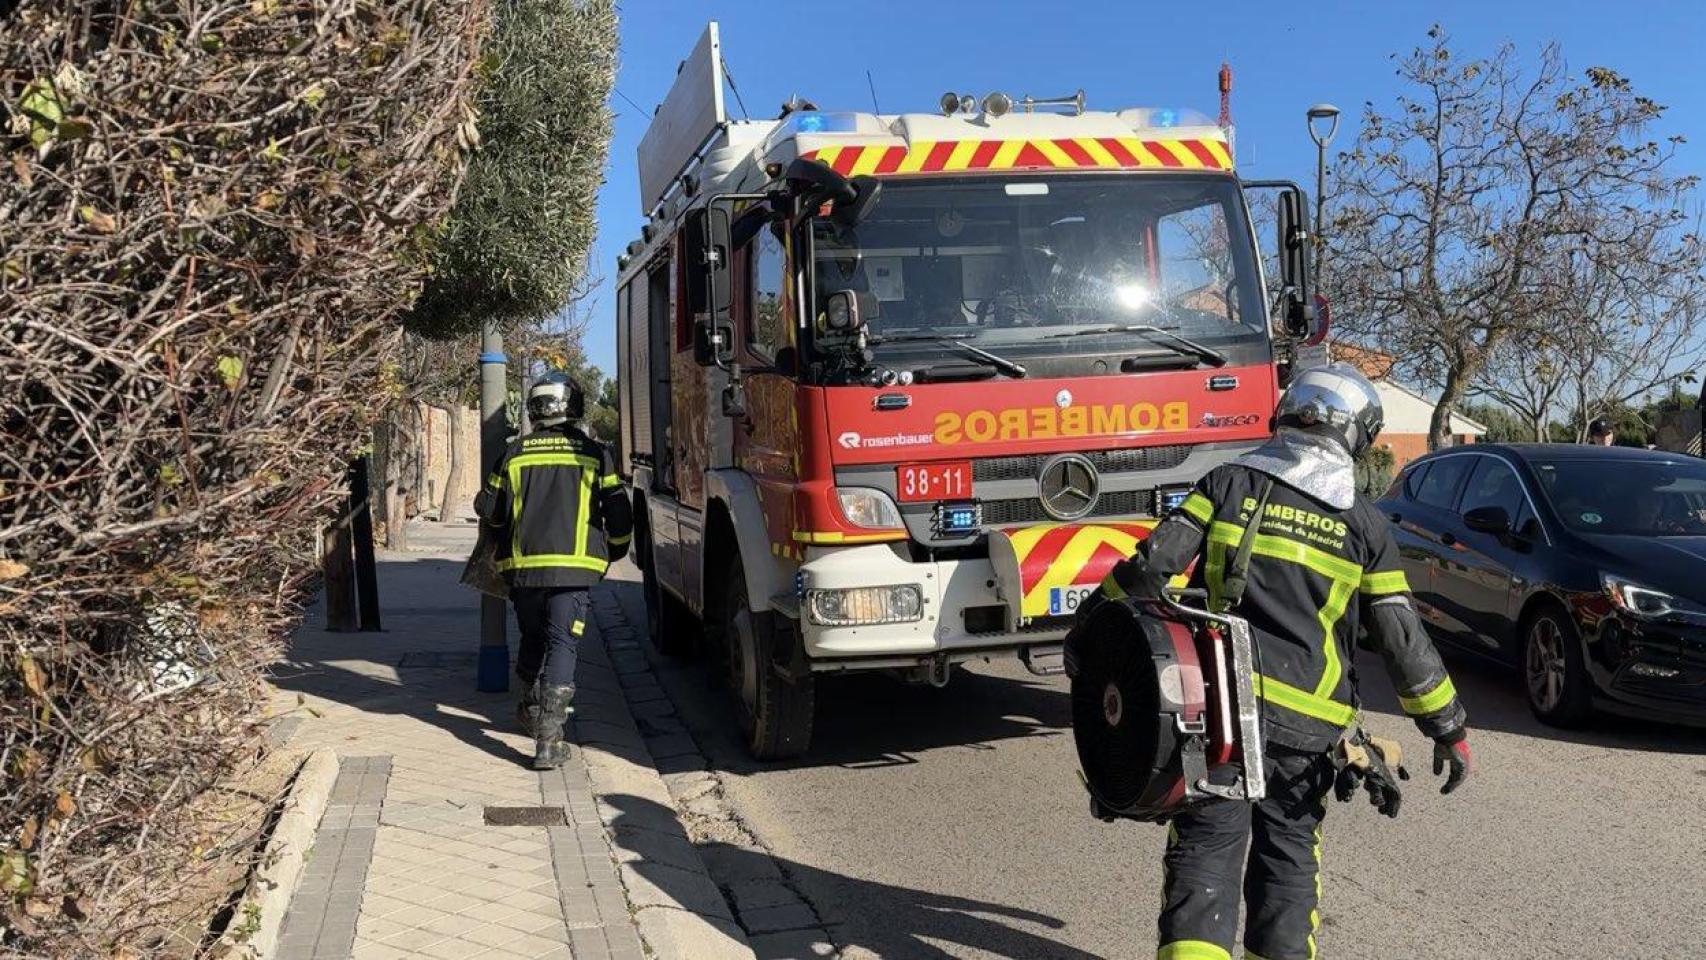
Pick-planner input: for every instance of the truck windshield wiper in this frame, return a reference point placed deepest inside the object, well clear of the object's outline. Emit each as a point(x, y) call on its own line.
point(954, 341)
point(1173, 341)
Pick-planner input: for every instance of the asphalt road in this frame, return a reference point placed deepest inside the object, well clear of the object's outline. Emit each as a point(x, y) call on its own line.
point(950, 823)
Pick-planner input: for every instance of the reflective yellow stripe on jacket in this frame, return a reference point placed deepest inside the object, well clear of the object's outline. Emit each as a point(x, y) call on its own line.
point(1198, 507)
point(1385, 582)
point(1423, 704)
point(589, 478)
point(1285, 695)
point(1345, 576)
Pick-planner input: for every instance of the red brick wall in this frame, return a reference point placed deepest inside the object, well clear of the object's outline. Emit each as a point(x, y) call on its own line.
point(1404, 446)
point(1408, 446)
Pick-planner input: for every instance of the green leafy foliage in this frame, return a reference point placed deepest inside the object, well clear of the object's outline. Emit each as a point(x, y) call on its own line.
point(1374, 471)
point(1503, 425)
point(517, 239)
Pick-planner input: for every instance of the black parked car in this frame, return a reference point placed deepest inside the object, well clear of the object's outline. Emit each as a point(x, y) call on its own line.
point(1585, 567)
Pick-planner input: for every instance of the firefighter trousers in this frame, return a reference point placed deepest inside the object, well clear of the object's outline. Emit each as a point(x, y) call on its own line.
point(553, 620)
point(1281, 880)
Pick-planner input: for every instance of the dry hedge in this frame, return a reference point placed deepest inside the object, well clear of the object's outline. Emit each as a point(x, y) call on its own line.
point(211, 214)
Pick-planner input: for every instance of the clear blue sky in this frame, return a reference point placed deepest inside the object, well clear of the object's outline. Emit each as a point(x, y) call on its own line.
point(1132, 53)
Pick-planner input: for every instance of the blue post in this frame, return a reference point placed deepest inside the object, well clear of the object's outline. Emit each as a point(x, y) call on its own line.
point(494, 432)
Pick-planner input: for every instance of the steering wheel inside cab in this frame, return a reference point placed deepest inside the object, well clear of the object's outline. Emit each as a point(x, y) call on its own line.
point(1039, 270)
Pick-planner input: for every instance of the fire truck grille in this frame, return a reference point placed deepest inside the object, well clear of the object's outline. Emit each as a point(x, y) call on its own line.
point(1105, 461)
point(1115, 503)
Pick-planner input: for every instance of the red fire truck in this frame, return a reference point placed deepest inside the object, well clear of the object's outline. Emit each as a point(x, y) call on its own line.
point(896, 390)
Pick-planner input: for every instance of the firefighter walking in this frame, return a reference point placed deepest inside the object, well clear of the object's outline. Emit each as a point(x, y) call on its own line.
point(555, 506)
point(1323, 566)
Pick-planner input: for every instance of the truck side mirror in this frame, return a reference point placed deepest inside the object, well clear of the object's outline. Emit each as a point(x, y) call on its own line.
point(713, 342)
point(713, 333)
point(843, 312)
point(1298, 304)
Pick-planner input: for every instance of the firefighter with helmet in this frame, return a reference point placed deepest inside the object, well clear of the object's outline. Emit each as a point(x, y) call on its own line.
point(556, 508)
point(1323, 566)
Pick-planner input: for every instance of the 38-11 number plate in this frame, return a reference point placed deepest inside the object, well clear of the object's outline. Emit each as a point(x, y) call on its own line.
point(948, 480)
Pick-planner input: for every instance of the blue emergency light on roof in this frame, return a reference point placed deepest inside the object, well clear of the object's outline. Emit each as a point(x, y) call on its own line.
point(1164, 117)
point(811, 121)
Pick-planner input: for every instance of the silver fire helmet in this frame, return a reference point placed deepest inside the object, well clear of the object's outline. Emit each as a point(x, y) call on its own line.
point(554, 399)
point(1337, 396)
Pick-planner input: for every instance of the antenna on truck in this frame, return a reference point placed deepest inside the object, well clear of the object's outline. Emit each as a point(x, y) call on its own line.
point(872, 84)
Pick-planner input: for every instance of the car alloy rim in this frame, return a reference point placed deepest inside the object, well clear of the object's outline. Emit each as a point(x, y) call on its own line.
point(1545, 663)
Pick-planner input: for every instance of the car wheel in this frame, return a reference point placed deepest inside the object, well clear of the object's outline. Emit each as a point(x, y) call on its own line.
point(669, 624)
point(774, 712)
point(1553, 672)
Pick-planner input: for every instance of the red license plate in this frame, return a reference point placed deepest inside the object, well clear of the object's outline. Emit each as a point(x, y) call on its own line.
point(934, 481)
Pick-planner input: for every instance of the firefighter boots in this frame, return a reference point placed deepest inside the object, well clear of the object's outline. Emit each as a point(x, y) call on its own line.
point(550, 750)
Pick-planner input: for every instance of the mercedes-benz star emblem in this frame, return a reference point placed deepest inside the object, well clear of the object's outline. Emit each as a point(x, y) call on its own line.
point(1068, 486)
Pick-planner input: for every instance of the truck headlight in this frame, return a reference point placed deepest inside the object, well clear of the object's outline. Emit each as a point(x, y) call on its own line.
point(859, 606)
point(869, 508)
point(1636, 600)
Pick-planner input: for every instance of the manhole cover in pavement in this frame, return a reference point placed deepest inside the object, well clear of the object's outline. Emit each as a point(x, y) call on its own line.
point(525, 817)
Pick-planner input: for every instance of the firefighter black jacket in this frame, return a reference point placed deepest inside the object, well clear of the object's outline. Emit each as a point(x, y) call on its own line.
point(556, 507)
point(1317, 576)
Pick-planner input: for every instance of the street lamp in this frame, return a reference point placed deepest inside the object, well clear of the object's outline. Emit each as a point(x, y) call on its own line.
point(1329, 113)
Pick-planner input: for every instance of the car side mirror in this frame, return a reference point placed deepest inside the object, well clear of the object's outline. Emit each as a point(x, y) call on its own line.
point(1489, 519)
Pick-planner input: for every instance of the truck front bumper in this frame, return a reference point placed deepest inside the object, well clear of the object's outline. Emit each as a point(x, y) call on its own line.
point(1018, 600)
point(949, 588)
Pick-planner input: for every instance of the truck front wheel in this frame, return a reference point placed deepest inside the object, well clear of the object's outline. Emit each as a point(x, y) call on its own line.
point(774, 710)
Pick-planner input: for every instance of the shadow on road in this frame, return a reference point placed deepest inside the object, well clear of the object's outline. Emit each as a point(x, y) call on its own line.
point(871, 721)
point(1493, 695)
point(431, 641)
point(913, 923)
point(972, 711)
point(864, 720)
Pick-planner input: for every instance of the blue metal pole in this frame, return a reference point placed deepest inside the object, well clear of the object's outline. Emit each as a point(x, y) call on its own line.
point(494, 432)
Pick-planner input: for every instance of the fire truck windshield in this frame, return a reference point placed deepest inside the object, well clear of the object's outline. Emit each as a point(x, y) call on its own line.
point(1060, 269)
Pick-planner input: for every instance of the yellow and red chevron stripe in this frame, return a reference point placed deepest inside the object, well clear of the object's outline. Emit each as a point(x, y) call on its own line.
point(950, 156)
point(1069, 554)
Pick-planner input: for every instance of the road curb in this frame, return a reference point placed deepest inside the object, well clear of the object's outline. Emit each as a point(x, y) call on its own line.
point(680, 910)
point(764, 900)
point(280, 870)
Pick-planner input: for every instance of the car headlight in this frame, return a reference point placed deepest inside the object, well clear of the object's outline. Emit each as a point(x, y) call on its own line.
point(858, 606)
point(1636, 600)
point(868, 508)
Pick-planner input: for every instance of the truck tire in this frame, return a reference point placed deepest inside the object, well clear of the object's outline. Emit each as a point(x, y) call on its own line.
point(773, 711)
point(669, 624)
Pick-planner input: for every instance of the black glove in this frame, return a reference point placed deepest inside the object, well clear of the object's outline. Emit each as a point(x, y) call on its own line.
point(1455, 756)
point(1366, 767)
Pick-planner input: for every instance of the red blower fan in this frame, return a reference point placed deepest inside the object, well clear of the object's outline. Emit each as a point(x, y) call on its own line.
point(1162, 693)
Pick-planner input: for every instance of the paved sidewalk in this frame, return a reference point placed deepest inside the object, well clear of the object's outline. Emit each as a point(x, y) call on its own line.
point(406, 862)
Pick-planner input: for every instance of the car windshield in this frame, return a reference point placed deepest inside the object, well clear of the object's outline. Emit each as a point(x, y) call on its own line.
point(1057, 266)
point(1647, 498)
